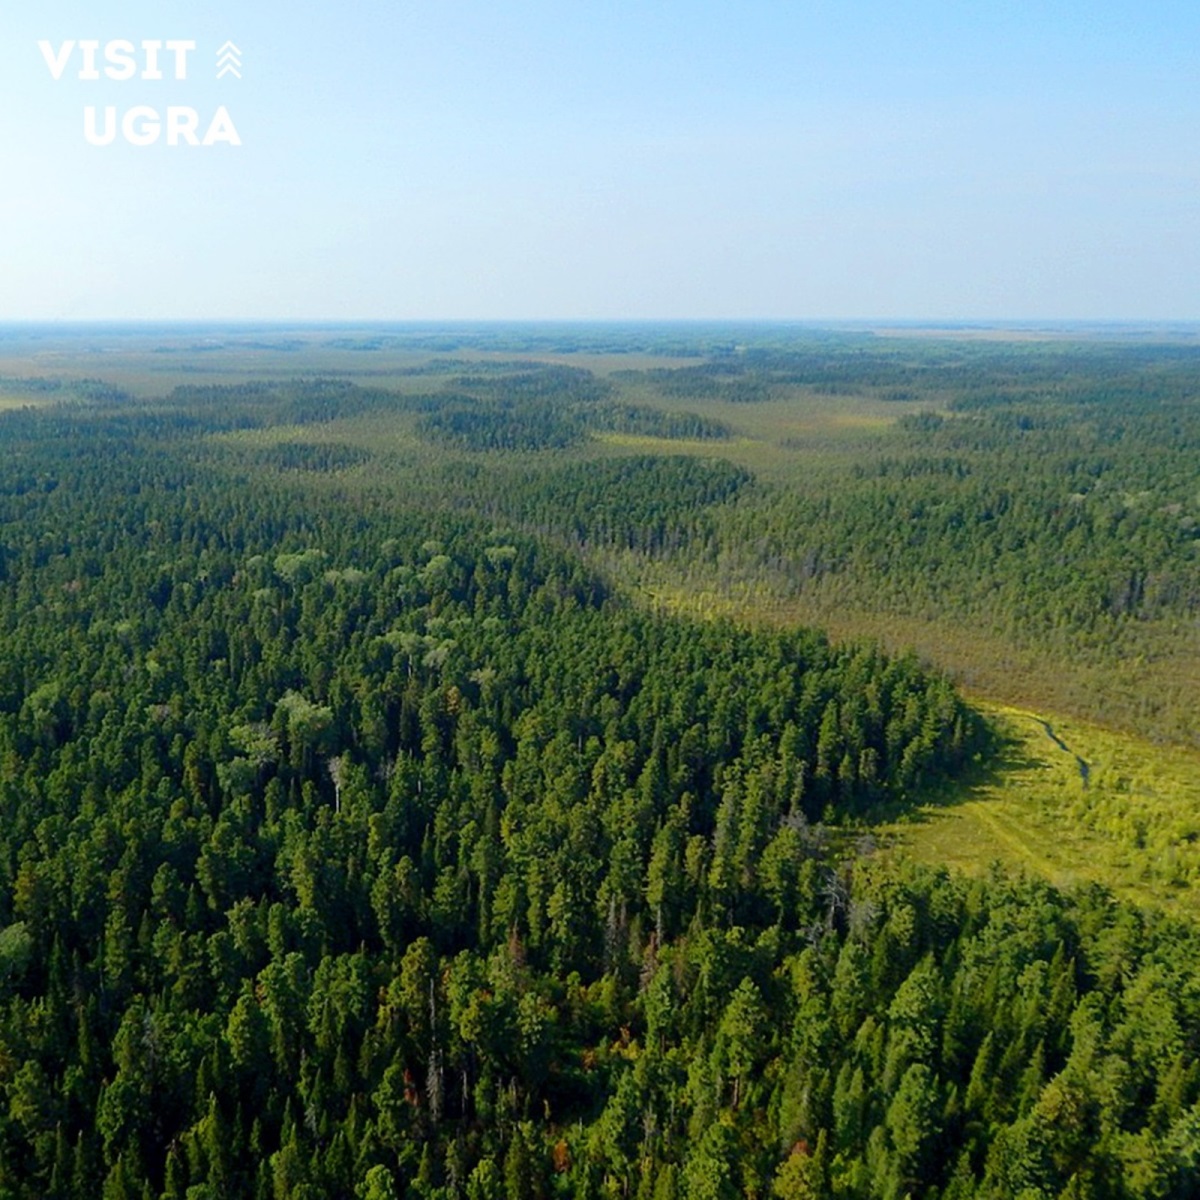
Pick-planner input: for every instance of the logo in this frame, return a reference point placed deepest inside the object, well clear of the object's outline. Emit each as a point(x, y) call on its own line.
point(154, 61)
point(229, 61)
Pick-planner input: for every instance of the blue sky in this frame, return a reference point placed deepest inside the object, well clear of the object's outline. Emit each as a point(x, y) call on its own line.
point(616, 159)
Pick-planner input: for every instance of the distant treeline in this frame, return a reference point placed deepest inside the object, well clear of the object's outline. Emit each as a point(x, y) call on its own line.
point(549, 408)
point(90, 391)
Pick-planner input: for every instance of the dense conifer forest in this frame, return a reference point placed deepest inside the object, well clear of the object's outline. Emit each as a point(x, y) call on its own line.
point(363, 834)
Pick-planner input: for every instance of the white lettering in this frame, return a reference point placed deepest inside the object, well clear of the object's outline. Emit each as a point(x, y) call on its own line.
point(142, 126)
point(144, 133)
point(182, 122)
point(221, 129)
point(56, 62)
point(152, 49)
point(120, 54)
point(180, 50)
point(88, 71)
point(110, 125)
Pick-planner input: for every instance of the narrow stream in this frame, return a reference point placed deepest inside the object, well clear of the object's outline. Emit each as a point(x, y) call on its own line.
point(1084, 769)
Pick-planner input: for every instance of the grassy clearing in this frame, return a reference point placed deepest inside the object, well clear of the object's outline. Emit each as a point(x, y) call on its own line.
point(639, 443)
point(1074, 803)
point(11, 400)
point(1144, 690)
point(1109, 808)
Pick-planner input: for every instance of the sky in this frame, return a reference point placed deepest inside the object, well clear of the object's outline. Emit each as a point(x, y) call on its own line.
point(607, 160)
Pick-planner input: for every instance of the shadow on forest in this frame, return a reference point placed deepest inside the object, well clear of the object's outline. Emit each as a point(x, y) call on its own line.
point(1006, 754)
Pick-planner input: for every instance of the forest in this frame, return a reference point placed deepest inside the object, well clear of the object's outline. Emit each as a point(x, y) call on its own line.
point(367, 832)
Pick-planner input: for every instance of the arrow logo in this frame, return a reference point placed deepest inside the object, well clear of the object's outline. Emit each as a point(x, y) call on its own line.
point(229, 61)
